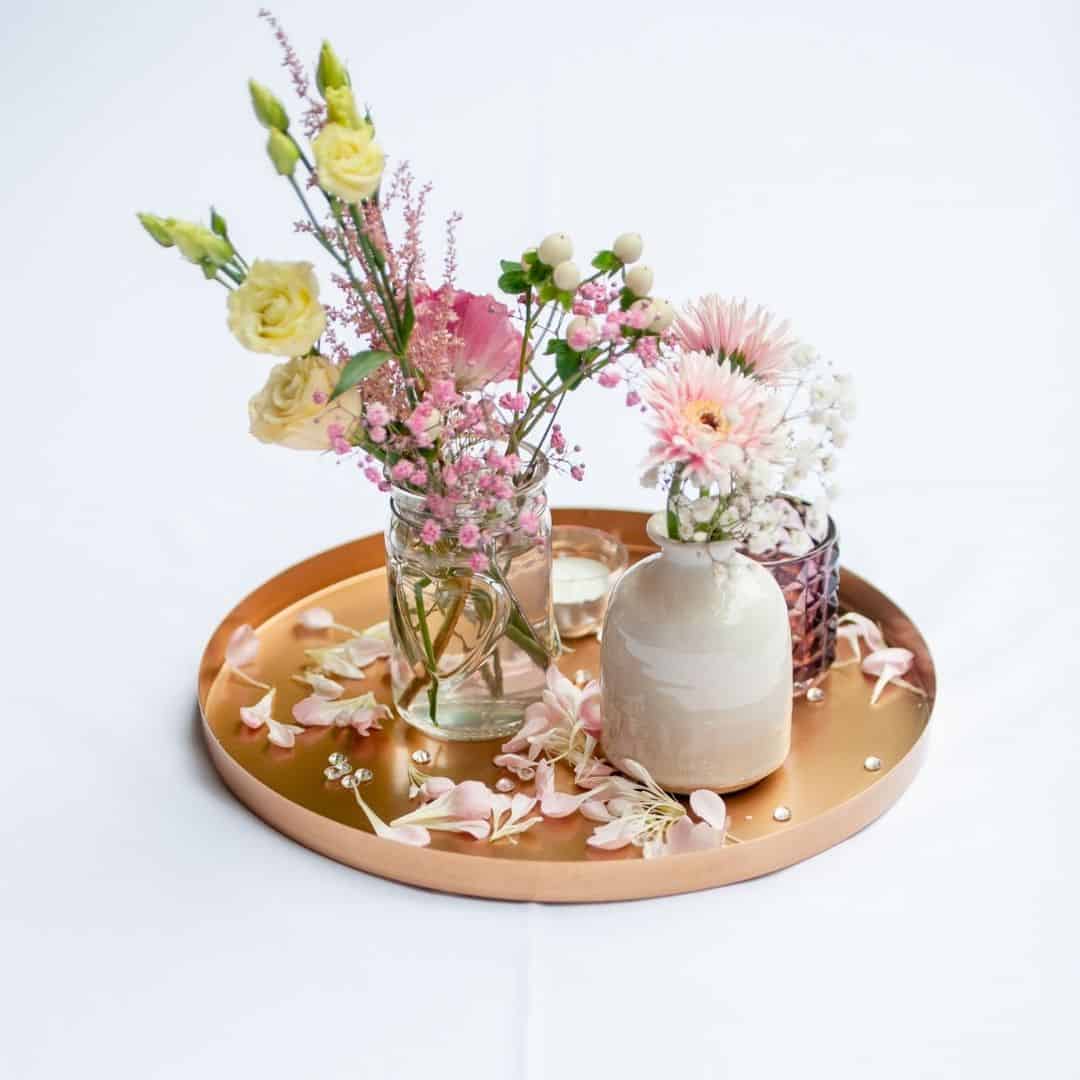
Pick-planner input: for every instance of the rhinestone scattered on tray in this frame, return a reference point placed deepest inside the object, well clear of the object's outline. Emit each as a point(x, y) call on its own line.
point(421, 757)
point(815, 693)
point(354, 780)
point(872, 763)
point(781, 813)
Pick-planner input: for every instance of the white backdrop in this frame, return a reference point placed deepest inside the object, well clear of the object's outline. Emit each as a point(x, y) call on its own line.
point(901, 180)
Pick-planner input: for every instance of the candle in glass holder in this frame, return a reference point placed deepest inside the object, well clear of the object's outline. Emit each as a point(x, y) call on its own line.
point(585, 565)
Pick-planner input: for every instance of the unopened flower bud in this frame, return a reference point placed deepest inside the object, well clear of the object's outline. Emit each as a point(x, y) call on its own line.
point(556, 248)
point(639, 280)
point(268, 110)
point(580, 333)
point(627, 247)
point(330, 72)
point(197, 243)
point(663, 315)
point(341, 107)
point(157, 228)
point(283, 152)
point(566, 276)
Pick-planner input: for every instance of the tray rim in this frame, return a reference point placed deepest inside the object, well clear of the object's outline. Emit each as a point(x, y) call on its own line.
point(560, 881)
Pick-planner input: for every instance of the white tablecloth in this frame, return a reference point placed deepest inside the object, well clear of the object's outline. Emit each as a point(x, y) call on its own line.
point(902, 183)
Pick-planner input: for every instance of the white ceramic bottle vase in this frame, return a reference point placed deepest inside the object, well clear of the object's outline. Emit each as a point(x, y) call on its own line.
point(696, 667)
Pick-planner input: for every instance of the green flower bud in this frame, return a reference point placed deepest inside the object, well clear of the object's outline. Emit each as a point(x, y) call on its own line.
point(197, 243)
point(157, 228)
point(268, 110)
point(341, 107)
point(330, 72)
point(283, 152)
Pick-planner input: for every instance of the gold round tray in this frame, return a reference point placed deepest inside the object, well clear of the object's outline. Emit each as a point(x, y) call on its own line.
point(824, 784)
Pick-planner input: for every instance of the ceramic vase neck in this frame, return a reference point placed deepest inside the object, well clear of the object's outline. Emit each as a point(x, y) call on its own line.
point(683, 553)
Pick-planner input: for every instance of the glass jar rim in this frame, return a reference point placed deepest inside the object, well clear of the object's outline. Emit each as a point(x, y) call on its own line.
point(412, 502)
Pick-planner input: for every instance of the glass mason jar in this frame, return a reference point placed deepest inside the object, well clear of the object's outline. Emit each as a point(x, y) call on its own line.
point(811, 586)
point(470, 648)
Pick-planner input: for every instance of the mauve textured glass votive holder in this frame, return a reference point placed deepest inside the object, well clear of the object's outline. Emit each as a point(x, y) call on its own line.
point(811, 586)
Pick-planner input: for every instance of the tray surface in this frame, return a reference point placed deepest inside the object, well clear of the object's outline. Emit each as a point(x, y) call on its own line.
point(823, 783)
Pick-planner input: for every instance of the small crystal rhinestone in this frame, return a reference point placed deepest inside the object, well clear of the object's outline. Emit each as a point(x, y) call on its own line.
point(504, 785)
point(872, 764)
point(362, 776)
point(335, 772)
point(338, 759)
point(581, 677)
point(421, 757)
point(351, 780)
point(815, 693)
point(781, 813)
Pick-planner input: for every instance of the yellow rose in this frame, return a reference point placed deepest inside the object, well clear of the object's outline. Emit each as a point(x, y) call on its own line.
point(293, 408)
point(349, 161)
point(277, 309)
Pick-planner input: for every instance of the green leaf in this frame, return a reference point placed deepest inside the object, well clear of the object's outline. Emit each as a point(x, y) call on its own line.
point(607, 262)
point(360, 366)
point(567, 362)
point(508, 266)
point(626, 298)
point(408, 318)
point(539, 272)
point(548, 292)
point(217, 223)
point(514, 281)
point(565, 298)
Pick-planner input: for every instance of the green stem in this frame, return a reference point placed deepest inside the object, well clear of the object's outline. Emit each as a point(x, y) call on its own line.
point(429, 650)
point(526, 335)
point(673, 494)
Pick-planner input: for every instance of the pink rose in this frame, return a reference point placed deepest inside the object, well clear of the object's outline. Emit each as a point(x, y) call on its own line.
point(487, 346)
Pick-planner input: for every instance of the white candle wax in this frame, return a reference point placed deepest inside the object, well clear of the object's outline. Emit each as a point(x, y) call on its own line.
point(577, 580)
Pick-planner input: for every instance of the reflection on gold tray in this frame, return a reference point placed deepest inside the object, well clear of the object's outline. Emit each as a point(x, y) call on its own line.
point(824, 783)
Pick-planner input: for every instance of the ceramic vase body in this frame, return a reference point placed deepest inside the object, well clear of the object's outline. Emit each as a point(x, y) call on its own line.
point(696, 668)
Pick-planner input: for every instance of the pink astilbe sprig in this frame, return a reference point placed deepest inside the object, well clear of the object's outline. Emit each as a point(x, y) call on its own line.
point(315, 111)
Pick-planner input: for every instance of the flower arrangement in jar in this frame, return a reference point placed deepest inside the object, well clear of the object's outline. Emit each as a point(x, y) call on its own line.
point(447, 399)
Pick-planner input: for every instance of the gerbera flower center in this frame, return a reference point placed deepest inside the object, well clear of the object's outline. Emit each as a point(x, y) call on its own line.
point(707, 414)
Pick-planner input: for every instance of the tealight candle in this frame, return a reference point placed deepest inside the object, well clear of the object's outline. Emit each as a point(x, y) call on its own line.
point(577, 580)
point(585, 566)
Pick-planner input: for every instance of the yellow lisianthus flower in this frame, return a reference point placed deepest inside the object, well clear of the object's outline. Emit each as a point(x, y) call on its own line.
point(348, 160)
point(277, 308)
point(293, 409)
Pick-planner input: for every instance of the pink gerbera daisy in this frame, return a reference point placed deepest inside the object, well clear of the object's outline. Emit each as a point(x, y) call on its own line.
point(727, 330)
point(706, 417)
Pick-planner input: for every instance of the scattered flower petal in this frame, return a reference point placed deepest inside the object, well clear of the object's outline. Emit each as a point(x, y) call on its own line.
point(595, 810)
point(242, 648)
point(414, 835)
point(324, 687)
point(522, 767)
point(283, 735)
point(334, 660)
point(361, 713)
point(888, 665)
point(316, 618)
point(710, 808)
point(255, 716)
point(852, 626)
point(612, 836)
point(557, 804)
point(365, 649)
